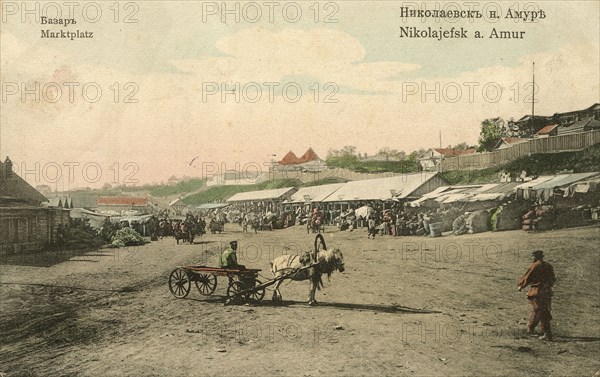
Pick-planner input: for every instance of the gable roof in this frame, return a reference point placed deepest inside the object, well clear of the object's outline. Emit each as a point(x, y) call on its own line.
point(547, 129)
point(380, 188)
point(315, 193)
point(510, 141)
point(447, 152)
point(289, 159)
point(261, 195)
point(13, 188)
point(177, 202)
point(309, 155)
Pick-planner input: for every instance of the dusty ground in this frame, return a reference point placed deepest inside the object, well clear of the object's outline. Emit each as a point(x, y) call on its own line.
point(110, 313)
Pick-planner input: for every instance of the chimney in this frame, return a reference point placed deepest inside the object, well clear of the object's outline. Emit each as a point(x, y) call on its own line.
point(8, 168)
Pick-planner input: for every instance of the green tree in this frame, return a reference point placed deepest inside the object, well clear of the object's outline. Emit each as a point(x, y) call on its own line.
point(461, 146)
point(492, 130)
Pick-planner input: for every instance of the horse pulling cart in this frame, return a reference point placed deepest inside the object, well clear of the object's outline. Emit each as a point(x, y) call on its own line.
point(243, 285)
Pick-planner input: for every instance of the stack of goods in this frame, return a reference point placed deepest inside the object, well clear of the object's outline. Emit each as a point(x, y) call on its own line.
point(447, 217)
point(478, 221)
point(572, 217)
point(459, 225)
point(538, 218)
point(508, 216)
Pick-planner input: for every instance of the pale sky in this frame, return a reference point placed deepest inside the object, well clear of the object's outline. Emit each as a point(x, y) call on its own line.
point(178, 54)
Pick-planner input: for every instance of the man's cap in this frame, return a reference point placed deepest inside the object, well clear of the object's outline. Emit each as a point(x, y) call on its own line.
point(233, 243)
point(538, 253)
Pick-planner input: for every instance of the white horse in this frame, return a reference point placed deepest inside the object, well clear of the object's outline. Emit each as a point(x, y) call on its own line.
point(296, 267)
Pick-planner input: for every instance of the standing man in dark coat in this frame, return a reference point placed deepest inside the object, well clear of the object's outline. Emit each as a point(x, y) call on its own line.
point(540, 277)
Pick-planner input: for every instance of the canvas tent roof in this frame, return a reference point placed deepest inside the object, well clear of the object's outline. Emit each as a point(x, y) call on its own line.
point(584, 186)
point(381, 188)
point(315, 193)
point(96, 219)
point(549, 182)
point(122, 201)
point(467, 193)
point(261, 195)
point(212, 205)
point(177, 202)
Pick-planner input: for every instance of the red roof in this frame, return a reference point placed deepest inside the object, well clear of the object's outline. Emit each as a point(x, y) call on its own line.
point(289, 159)
point(547, 129)
point(454, 152)
point(121, 201)
point(309, 155)
point(514, 140)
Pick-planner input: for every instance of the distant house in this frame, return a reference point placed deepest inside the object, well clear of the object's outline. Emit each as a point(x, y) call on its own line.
point(584, 125)
point(25, 224)
point(507, 142)
point(309, 156)
point(233, 178)
point(173, 181)
point(551, 130)
point(571, 117)
point(122, 203)
point(528, 125)
point(308, 162)
point(430, 160)
point(532, 125)
point(178, 206)
point(291, 159)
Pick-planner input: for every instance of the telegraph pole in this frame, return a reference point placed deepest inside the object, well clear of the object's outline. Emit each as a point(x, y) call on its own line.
point(532, 101)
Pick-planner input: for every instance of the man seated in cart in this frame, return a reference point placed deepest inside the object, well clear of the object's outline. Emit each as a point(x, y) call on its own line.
point(228, 258)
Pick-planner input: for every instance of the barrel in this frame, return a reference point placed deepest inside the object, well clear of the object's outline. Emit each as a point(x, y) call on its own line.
point(435, 229)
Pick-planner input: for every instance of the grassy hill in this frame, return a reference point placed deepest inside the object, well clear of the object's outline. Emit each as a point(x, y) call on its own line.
point(587, 160)
point(354, 164)
point(224, 192)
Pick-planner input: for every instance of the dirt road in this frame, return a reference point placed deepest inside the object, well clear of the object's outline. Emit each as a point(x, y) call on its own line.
point(110, 313)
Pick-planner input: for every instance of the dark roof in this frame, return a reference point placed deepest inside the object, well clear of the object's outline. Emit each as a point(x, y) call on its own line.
point(14, 189)
point(580, 126)
point(454, 152)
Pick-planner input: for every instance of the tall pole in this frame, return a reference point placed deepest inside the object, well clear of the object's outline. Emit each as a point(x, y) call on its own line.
point(532, 99)
point(440, 138)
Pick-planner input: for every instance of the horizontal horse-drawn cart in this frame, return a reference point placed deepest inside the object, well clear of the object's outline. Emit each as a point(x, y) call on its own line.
point(246, 288)
point(205, 279)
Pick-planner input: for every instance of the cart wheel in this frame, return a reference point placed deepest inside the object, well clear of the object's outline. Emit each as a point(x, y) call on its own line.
point(179, 283)
point(234, 288)
point(259, 294)
point(206, 284)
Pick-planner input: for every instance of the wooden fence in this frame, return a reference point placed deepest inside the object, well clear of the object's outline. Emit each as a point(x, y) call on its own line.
point(551, 144)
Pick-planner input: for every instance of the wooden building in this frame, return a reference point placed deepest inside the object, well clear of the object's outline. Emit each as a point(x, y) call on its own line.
point(25, 224)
